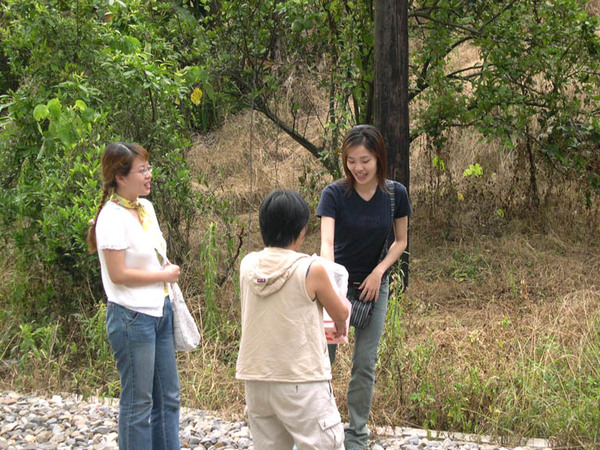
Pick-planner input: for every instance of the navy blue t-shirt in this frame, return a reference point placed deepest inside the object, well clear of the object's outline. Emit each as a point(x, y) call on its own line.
point(361, 227)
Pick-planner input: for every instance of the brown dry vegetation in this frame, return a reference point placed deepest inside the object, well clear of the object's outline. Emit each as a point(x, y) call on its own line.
point(492, 298)
point(593, 7)
point(502, 298)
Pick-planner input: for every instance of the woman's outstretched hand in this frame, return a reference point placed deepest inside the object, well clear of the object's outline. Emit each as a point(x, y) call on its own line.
point(340, 329)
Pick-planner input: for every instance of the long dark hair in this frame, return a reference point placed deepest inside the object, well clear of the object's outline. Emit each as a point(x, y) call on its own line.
point(369, 137)
point(117, 159)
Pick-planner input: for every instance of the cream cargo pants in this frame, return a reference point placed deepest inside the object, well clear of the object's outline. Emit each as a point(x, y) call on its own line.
point(282, 415)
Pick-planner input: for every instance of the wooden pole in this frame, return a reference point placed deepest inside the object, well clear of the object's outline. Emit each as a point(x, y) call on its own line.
point(391, 90)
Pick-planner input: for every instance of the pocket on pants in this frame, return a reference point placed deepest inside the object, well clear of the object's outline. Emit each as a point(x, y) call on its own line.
point(332, 431)
point(129, 317)
point(119, 319)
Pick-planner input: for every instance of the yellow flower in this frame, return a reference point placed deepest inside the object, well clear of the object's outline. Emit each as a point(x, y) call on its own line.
point(460, 197)
point(196, 96)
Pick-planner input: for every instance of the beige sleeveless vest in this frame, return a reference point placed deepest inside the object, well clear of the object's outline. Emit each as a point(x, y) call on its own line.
point(283, 338)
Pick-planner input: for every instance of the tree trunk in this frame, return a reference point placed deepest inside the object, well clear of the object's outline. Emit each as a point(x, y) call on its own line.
point(391, 90)
point(533, 187)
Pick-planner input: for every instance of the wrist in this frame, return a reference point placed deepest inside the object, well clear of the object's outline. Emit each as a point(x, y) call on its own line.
point(378, 271)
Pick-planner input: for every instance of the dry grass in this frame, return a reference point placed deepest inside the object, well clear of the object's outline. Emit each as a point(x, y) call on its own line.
point(483, 317)
point(593, 7)
point(242, 165)
point(485, 304)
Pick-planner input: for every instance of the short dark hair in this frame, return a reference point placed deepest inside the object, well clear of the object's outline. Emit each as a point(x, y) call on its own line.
point(282, 217)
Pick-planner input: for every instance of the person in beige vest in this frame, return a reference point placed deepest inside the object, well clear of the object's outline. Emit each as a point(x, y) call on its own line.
point(283, 356)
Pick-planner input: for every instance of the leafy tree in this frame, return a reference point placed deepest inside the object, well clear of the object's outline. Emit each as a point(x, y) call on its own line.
point(537, 74)
point(88, 72)
point(538, 69)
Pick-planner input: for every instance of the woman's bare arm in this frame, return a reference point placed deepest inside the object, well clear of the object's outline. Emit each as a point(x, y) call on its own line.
point(120, 274)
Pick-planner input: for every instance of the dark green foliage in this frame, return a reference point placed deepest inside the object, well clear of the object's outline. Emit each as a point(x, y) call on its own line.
point(88, 73)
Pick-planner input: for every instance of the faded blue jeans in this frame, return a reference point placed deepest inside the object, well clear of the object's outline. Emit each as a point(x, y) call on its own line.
point(145, 354)
point(362, 380)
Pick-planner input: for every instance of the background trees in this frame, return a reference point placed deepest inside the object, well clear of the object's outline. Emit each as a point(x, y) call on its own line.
point(532, 83)
point(79, 75)
point(520, 77)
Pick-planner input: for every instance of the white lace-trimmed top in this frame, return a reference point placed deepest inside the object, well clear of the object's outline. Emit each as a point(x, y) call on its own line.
point(118, 229)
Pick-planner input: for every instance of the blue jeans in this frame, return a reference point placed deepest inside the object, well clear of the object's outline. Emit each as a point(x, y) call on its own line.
point(145, 354)
point(362, 380)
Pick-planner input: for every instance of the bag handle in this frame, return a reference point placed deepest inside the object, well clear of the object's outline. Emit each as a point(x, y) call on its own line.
point(390, 236)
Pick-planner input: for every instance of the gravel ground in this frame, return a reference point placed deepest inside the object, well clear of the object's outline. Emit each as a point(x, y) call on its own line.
point(70, 422)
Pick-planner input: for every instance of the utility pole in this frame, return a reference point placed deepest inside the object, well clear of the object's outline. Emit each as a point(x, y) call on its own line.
point(391, 90)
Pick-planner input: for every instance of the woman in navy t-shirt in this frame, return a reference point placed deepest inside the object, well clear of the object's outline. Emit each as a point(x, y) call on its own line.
point(355, 223)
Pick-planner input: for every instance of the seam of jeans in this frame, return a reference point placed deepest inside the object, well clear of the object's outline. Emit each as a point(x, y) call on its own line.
point(163, 425)
point(132, 393)
point(124, 316)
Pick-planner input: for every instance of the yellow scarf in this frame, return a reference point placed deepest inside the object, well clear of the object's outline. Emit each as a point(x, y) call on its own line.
point(144, 216)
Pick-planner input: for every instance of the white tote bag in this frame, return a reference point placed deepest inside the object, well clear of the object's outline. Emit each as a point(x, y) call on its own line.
point(185, 331)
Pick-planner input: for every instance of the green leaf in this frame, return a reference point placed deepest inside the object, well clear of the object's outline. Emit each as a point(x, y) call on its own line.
point(474, 170)
point(133, 44)
point(80, 105)
point(55, 108)
point(439, 164)
point(88, 115)
point(66, 135)
point(297, 26)
point(193, 74)
point(40, 112)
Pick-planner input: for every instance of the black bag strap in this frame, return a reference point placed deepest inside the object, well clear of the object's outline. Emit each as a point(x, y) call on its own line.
point(389, 238)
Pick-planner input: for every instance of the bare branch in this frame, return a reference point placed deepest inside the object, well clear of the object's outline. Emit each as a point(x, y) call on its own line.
point(450, 25)
point(262, 107)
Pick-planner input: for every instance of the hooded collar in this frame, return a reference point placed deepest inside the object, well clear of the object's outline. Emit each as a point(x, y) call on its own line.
point(272, 267)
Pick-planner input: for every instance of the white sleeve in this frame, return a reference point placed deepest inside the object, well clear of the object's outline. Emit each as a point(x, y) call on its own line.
point(110, 230)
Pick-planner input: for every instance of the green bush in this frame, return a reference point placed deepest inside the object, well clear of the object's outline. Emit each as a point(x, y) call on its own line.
point(89, 72)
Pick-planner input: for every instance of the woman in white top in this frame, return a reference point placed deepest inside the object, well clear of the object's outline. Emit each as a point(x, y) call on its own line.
point(139, 318)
